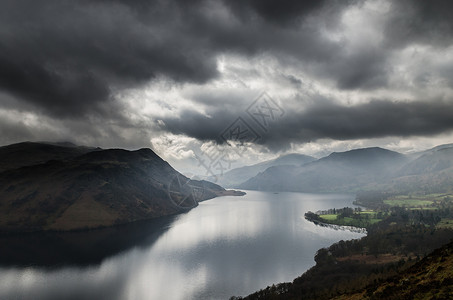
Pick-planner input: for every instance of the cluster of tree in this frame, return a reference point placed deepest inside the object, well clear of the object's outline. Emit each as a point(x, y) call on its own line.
point(401, 215)
point(312, 217)
point(354, 217)
point(345, 211)
point(372, 199)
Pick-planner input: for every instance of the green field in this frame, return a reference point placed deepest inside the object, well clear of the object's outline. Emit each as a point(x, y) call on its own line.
point(369, 218)
point(417, 200)
point(445, 223)
point(329, 217)
point(407, 202)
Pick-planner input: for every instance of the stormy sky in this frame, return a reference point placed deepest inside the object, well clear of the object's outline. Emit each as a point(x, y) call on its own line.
point(184, 76)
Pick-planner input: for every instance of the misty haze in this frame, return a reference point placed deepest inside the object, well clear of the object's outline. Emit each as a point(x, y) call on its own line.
point(217, 149)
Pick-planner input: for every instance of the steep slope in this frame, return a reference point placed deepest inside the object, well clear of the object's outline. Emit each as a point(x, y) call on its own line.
point(29, 153)
point(237, 176)
point(383, 276)
point(431, 278)
point(344, 171)
point(100, 188)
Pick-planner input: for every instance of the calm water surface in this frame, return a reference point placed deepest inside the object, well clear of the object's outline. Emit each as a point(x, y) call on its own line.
point(227, 246)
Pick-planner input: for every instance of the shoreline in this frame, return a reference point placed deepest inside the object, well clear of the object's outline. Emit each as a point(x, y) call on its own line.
point(338, 227)
point(5, 233)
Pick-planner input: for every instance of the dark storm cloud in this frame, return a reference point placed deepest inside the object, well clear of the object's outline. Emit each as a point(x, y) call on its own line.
point(280, 12)
point(66, 57)
point(324, 119)
point(375, 119)
point(429, 22)
point(199, 126)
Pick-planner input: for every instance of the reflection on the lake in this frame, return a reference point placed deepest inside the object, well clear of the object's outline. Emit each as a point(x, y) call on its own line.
point(226, 246)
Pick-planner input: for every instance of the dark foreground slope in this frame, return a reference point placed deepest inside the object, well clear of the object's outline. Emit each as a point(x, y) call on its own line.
point(96, 189)
point(431, 278)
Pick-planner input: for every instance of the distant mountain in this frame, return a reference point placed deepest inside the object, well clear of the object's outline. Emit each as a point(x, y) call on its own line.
point(235, 177)
point(428, 151)
point(343, 171)
point(430, 173)
point(432, 161)
point(67, 188)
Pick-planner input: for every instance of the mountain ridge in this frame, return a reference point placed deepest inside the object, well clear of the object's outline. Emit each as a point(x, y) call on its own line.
point(236, 176)
point(95, 189)
point(337, 172)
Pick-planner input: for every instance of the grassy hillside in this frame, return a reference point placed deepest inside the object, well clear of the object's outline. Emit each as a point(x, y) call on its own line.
point(431, 278)
point(96, 189)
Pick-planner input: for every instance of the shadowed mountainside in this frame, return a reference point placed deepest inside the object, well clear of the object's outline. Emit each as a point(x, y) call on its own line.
point(96, 189)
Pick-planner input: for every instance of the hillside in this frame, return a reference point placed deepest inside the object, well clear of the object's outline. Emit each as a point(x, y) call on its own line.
point(95, 189)
point(386, 277)
point(434, 149)
point(431, 278)
point(431, 162)
point(338, 172)
point(235, 177)
point(430, 173)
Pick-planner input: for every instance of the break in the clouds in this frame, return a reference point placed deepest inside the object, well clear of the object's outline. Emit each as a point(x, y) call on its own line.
point(176, 73)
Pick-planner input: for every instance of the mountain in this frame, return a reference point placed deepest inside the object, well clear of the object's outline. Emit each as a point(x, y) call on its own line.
point(236, 176)
point(29, 153)
point(430, 162)
point(338, 172)
point(77, 190)
point(434, 149)
point(431, 173)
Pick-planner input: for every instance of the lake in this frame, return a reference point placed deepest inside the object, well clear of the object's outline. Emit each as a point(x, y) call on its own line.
point(226, 246)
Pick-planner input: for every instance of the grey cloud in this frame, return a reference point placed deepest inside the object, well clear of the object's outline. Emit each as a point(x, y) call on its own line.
point(366, 69)
point(428, 22)
point(64, 58)
point(279, 12)
point(200, 126)
point(67, 56)
point(12, 132)
point(375, 119)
